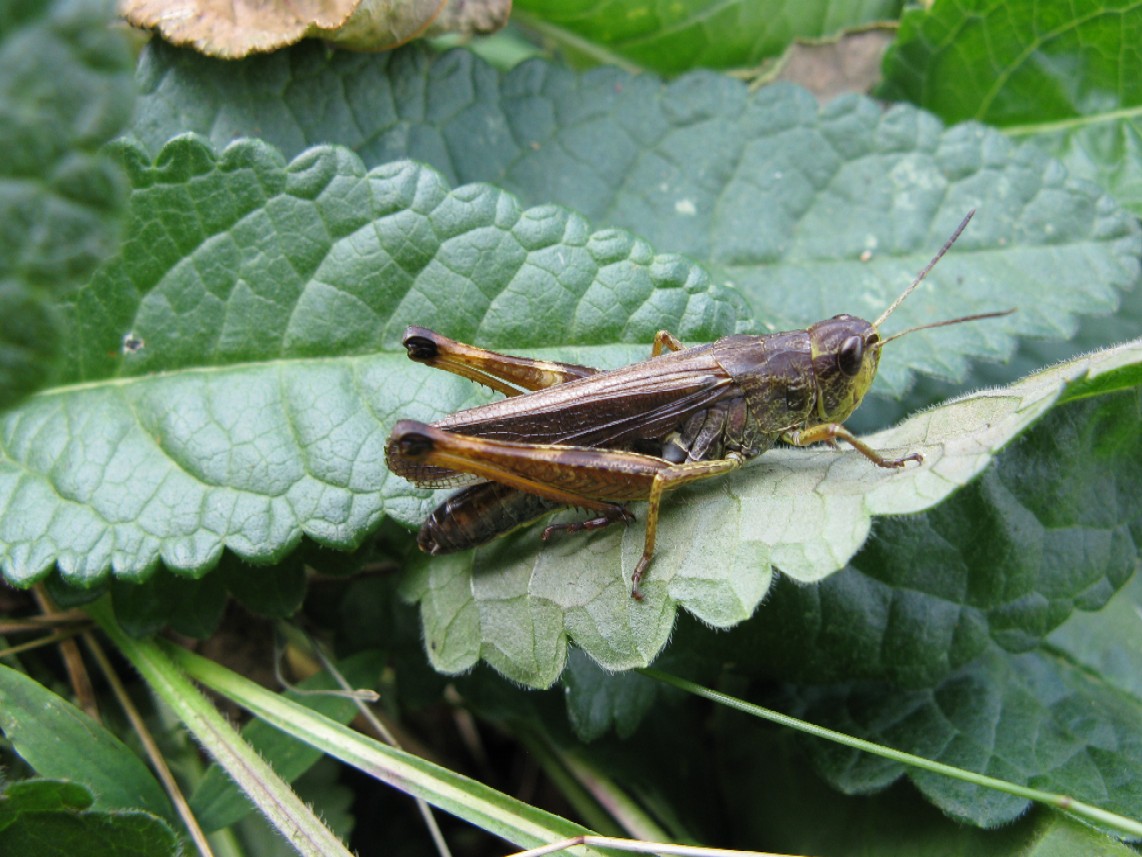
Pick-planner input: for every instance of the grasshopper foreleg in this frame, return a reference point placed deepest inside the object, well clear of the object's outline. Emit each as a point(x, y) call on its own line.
point(832, 432)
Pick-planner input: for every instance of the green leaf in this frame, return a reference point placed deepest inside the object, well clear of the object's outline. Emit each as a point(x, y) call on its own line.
point(45, 818)
point(191, 605)
point(598, 701)
point(254, 406)
point(1068, 77)
point(58, 740)
point(65, 89)
point(40, 795)
point(240, 258)
point(1107, 643)
point(768, 191)
point(276, 592)
point(1034, 719)
point(807, 512)
point(683, 35)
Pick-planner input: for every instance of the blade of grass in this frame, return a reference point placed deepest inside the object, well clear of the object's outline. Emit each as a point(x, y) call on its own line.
point(491, 810)
point(273, 796)
point(1065, 803)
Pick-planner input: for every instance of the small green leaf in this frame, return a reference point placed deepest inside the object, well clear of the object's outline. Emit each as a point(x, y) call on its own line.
point(1067, 77)
point(687, 34)
point(275, 592)
point(64, 832)
point(65, 89)
point(58, 740)
point(39, 795)
point(598, 701)
point(191, 605)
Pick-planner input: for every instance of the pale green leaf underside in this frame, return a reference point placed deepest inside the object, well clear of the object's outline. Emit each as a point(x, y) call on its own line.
point(515, 604)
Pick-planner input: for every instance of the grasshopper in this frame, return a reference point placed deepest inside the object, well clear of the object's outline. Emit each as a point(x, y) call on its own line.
point(570, 435)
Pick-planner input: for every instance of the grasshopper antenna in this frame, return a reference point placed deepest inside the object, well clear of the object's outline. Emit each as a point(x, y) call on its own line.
point(945, 323)
point(920, 278)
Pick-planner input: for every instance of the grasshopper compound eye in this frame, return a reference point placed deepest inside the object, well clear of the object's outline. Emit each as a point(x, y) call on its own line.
point(850, 356)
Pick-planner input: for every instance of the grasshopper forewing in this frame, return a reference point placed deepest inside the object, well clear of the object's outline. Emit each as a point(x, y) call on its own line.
point(569, 435)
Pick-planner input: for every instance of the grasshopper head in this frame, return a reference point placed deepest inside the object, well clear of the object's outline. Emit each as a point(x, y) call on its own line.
point(845, 351)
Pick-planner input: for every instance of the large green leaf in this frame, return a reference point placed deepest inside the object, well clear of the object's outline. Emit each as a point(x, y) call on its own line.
point(938, 632)
point(692, 33)
point(233, 370)
point(1067, 76)
point(65, 89)
point(766, 190)
point(236, 371)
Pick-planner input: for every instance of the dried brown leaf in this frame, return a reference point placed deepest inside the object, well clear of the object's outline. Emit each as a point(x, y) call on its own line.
point(233, 29)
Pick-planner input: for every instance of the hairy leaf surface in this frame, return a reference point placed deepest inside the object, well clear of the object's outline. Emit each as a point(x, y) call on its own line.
point(766, 190)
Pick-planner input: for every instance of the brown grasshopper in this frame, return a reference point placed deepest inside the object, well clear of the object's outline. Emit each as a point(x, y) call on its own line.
point(570, 435)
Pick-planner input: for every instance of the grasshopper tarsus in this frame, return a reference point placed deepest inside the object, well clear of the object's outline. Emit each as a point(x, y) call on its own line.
point(636, 578)
point(830, 433)
point(918, 457)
